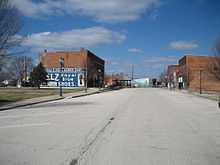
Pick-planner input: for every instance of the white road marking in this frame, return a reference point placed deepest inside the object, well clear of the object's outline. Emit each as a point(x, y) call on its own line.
point(25, 125)
point(5, 117)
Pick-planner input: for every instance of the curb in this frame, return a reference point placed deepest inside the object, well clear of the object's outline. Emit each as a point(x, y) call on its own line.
point(27, 104)
point(207, 97)
point(10, 106)
point(198, 95)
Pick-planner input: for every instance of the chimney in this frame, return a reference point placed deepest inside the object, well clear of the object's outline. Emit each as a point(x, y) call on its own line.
point(45, 52)
point(82, 49)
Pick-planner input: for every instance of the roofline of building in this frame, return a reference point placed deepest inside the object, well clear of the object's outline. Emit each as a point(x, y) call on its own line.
point(95, 55)
point(194, 55)
point(197, 55)
point(61, 52)
point(174, 65)
point(72, 52)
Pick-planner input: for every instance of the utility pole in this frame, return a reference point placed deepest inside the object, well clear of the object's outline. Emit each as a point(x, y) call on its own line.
point(200, 80)
point(132, 72)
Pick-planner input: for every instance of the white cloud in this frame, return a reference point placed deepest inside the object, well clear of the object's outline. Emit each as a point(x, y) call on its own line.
point(72, 39)
point(110, 59)
point(114, 63)
point(135, 50)
point(130, 63)
point(158, 66)
point(184, 45)
point(31, 9)
point(161, 59)
point(110, 11)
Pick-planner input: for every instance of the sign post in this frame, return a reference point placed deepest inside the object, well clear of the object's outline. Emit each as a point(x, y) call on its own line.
point(61, 67)
point(200, 80)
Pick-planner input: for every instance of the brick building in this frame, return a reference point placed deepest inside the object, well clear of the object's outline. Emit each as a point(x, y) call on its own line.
point(109, 80)
point(172, 70)
point(194, 72)
point(77, 65)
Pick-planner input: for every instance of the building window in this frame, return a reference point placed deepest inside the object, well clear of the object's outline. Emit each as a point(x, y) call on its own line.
point(215, 68)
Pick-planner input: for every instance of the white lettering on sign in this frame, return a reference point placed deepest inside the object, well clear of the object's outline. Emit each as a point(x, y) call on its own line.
point(65, 69)
point(53, 77)
point(56, 77)
point(65, 79)
point(66, 84)
point(68, 75)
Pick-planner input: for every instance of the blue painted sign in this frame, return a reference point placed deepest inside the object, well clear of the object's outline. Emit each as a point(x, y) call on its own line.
point(66, 79)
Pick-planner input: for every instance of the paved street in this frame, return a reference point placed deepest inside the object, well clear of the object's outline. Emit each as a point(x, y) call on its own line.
point(124, 127)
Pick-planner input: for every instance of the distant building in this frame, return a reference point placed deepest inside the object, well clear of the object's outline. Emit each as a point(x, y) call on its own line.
point(172, 70)
point(194, 72)
point(143, 82)
point(109, 80)
point(153, 82)
point(78, 67)
point(122, 80)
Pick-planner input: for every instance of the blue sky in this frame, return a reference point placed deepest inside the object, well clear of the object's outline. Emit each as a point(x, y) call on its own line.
point(146, 34)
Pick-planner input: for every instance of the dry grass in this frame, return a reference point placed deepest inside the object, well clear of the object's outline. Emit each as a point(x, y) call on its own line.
point(14, 94)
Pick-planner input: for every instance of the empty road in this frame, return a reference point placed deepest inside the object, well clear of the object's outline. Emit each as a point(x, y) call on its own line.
point(124, 127)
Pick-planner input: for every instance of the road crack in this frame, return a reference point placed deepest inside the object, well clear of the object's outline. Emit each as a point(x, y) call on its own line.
point(85, 148)
point(95, 134)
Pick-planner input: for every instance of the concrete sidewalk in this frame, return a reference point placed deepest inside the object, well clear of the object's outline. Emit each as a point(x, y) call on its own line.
point(37, 100)
point(205, 94)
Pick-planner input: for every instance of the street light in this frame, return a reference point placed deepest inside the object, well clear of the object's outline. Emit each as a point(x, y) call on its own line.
point(61, 60)
point(99, 77)
point(166, 81)
point(200, 80)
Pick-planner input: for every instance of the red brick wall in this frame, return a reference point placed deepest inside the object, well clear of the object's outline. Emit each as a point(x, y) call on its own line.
point(81, 59)
point(94, 64)
point(208, 80)
point(109, 80)
point(182, 61)
point(71, 59)
point(171, 69)
point(190, 67)
point(172, 80)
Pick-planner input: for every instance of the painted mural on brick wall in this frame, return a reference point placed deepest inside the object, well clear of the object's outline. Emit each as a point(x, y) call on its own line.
point(68, 78)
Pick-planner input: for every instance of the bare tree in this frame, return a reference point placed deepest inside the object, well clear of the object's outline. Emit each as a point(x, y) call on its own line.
point(20, 68)
point(216, 60)
point(9, 27)
point(163, 76)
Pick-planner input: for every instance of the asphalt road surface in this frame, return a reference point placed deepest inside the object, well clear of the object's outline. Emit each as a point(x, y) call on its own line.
point(124, 127)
